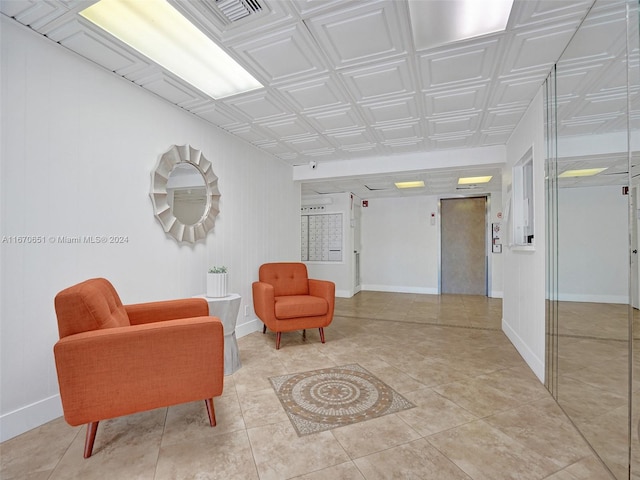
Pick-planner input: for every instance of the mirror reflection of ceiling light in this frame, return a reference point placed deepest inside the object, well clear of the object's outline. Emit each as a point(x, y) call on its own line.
point(585, 172)
point(438, 22)
point(472, 180)
point(158, 31)
point(414, 184)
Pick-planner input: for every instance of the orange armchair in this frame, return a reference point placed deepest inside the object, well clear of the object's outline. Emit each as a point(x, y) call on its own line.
point(285, 299)
point(114, 360)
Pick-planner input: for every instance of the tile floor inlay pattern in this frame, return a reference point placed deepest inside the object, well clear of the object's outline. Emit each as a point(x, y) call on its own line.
point(323, 399)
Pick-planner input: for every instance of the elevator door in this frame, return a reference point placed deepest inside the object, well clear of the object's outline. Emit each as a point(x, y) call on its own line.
point(463, 245)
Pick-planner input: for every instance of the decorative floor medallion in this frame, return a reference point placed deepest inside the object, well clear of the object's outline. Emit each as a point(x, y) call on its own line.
point(333, 397)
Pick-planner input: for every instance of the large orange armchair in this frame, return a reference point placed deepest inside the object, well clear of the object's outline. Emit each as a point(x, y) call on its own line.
point(114, 359)
point(285, 299)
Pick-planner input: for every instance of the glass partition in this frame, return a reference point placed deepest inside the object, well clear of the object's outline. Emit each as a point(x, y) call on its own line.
point(592, 272)
point(633, 72)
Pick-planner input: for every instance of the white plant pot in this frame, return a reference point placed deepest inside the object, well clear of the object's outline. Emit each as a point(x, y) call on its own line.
point(216, 284)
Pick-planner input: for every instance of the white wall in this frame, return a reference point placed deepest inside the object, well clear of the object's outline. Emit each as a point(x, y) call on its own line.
point(78, 147)
point(399, 245)
point(523, 314)
point(401, 249)
point(593, 219)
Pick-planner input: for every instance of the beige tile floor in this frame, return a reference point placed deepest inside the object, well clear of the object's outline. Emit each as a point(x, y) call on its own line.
point(480, 413)
point(593, 378)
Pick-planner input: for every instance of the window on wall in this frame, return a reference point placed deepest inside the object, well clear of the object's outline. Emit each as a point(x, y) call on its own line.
point(523, 214)
point(321, 237)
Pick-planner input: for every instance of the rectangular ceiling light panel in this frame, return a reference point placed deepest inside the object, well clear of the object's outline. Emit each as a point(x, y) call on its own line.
point(474, 180)
point(585, 172)
point(414, 184)
point(158, 31)
point(438, 22)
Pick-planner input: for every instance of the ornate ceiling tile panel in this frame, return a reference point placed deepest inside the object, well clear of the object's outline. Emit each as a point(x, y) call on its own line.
point(361, 32)
point(336, 120)
point(380, 81)
point(391, 111)
point(457, 101)
point(511, 92)
point(217, 114)
point(288, 128)
point(410, 132)
point(261, 106)
point(319, 93)
point(535, 50)
point(472, 63)
point(282, 55)
point(95, 45)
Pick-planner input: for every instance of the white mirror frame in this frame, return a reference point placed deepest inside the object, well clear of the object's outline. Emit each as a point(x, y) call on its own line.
point(162, 210)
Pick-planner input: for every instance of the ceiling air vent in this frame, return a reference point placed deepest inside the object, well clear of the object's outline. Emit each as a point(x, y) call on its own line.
point(234, 10)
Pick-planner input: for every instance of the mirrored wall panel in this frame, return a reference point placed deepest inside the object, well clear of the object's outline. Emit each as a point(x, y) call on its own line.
point(592, 288)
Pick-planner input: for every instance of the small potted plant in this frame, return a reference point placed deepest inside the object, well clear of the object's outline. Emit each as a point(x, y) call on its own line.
point(217, 282)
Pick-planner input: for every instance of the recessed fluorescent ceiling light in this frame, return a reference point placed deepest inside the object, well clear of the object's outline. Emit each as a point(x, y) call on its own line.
point(585, 172)
point(437, 22)
point(416, 184)
point(161, 33)
point(470, 180)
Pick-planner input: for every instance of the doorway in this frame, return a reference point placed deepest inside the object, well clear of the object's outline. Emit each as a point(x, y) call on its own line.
point(463, 240)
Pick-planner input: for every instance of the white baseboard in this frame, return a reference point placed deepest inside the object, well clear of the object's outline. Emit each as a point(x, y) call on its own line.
point(29, 417)
point(399, 289)
point(535, 364)
point(573, 297)
point(249, 326)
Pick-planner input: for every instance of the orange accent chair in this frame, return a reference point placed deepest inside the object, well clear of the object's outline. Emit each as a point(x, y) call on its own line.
point(114, 360)
point(285, 299)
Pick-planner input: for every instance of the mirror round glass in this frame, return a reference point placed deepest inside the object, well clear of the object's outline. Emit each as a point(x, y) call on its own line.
point(187, 193)
point(184, 193)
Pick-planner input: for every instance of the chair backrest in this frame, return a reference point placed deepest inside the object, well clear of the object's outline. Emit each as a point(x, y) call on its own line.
point(90, 305)
point(286, 278)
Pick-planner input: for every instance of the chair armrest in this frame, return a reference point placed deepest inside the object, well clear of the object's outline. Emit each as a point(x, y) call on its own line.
point(112, 372)
point(264, 301)
point(149, 312)
point(326, 290)
point(322, 288)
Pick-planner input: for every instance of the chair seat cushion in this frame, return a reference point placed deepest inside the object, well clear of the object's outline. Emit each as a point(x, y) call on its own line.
point(295, 306)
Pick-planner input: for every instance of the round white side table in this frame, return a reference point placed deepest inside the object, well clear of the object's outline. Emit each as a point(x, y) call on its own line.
point(226, 309)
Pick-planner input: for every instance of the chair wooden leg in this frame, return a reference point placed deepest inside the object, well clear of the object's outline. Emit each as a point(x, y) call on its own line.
point(278, 337)
point(92, 428)
point(304, 334)
point(321, 334)
point(264, 329)
point(210, 411)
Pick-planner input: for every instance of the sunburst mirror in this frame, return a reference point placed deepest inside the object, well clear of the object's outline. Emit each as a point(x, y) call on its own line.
point(184, 193)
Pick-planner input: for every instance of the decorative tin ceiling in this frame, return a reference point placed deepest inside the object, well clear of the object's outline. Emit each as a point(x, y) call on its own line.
point(343, 79)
